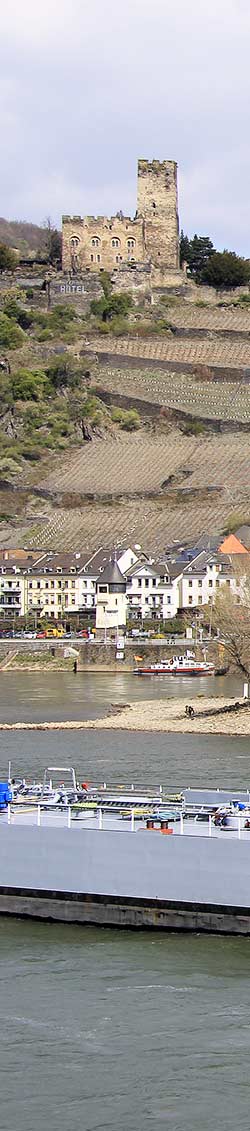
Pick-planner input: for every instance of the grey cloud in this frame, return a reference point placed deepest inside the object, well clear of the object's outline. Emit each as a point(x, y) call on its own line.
point(87, 88)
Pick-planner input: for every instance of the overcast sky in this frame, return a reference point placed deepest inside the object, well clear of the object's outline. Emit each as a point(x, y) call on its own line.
point(87, 86)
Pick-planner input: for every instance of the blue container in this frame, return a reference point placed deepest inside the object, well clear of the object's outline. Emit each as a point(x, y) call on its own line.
point(5, 794)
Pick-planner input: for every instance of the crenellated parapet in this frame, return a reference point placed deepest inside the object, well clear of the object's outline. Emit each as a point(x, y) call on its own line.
point(100, 242)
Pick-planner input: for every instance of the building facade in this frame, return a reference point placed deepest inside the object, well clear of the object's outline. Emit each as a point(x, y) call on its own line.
point(114, 588)
point(99, 243)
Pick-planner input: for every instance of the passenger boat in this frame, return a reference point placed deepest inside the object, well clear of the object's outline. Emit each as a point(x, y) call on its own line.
point(178, 665)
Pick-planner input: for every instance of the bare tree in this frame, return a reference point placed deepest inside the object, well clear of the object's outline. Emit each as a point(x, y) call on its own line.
point(231, 616)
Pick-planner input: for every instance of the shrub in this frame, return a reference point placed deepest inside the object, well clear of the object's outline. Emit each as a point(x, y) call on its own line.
point(193, 428)
point(45, 336)
point(31, 453)
point(63, 370)
point(90, 407)
point(28, 385)
point(8, 259)
point(117, 415)
point(115, 304)
point(23, 317)
point(118, 327)
point(10, 334)
point(7, 464)
point(131, 420)
point(63, 312)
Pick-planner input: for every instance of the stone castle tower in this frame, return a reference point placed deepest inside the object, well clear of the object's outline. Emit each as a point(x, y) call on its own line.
point(152, 237)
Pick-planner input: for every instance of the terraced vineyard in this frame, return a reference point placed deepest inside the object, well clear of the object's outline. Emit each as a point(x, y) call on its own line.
point(143, 462)
point(217, 353)
point(186, 314)
point(213, 399)
point(157, 484)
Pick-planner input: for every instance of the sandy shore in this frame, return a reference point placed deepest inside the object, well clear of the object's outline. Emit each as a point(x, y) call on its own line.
point(157, 715)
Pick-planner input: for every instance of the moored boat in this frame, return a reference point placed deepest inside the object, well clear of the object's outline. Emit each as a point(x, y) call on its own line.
point(178, 665)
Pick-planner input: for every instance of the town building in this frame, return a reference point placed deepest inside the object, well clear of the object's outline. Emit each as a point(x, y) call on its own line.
point(114, 588)
point(152, 237)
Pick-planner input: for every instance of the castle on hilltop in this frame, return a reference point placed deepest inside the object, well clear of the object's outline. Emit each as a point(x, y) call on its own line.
point(152, 237)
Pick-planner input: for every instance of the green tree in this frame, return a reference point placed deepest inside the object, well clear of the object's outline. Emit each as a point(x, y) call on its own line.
point(110, 307)
point(226, 270)
point(196, 253)
point(8, 259)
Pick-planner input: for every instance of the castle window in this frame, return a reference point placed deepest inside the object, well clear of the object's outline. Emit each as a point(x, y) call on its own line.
point(115, 242)
point(153, 204)
point(92, 258)
point(131, 244)
point(95, 242)
point(98, 258)
point(74, 241)
point(117, 259)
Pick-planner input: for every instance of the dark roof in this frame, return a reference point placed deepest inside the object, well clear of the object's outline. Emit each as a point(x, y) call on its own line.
point(112, 575)
point(243, 533)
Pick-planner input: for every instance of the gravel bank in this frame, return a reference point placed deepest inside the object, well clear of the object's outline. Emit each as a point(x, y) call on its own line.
point(157, 715)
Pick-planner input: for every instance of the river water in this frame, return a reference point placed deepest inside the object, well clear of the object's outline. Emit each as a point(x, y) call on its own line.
point(108, 1030)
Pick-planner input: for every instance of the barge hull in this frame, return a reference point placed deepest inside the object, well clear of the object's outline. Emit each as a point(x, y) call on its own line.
point(106, 911)
point(124, 879)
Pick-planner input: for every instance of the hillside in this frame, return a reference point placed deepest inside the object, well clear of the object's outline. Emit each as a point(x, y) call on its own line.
point(26, 237)
point(143, 437)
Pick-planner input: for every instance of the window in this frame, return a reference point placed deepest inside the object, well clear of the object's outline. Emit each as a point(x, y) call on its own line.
point(154, 581)
point(98, 258)
point(190, 582)
point(190, 600)
point(139, 582)
point(117, 259)
point(92, 258)
point(200, 584)
point(115, 242)
point(95, 242)
point(210, 584)
point(199, 600)
point(168, 600)
point(103, 588)
point(131, 244)
point(30, 584)
point(74, 241)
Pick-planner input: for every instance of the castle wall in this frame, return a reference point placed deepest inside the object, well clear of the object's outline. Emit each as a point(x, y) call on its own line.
point(99, 243)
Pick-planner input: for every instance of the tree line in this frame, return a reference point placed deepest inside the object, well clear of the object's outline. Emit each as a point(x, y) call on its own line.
point(220, 269)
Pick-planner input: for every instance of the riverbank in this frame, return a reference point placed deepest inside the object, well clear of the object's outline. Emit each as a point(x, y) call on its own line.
point(159, 715)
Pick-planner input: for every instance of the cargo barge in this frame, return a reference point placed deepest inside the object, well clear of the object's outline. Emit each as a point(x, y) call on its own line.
point(140, 859)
